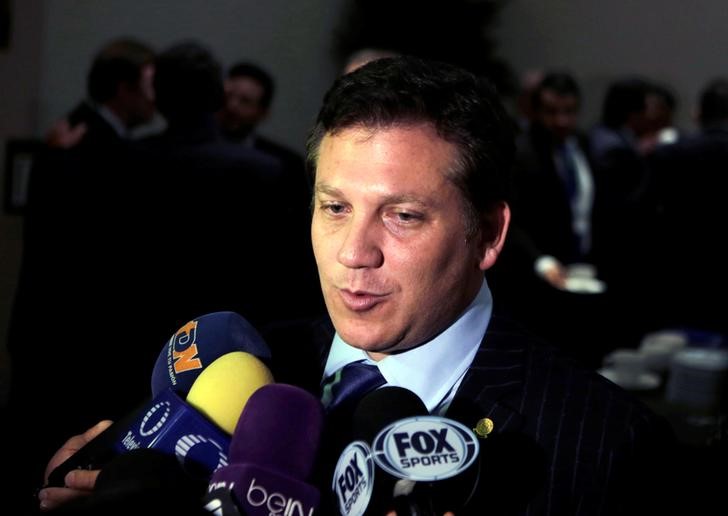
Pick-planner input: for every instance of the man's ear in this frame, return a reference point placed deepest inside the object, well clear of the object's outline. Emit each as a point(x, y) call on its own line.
point(493, 235)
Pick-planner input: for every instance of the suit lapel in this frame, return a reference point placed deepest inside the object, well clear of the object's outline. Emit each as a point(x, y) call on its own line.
point(494, 378)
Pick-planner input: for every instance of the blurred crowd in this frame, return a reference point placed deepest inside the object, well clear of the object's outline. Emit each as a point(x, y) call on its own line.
point(632, 202)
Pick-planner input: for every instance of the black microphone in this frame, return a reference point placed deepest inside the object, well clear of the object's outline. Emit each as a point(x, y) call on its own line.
point(416, 464)
point(143, 481)
point(437, 461)
point(358, 485)
point(220, 501)
point(428, 488)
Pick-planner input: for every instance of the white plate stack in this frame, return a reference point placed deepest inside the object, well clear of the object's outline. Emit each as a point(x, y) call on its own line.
point(657, 349)
point(698, 378)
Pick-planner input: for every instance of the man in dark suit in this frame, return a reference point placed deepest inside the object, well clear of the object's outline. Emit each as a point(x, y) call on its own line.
point(621, 216)
point(411, 162)
point(211, 199)
point(551, 229)
point(249, 92)
point(689, 182)
point(554, 183)
point(120, 98)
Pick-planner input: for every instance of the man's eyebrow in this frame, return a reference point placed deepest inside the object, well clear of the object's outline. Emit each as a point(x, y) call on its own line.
point(406, 199)
point(403, 198)
point(326, 189)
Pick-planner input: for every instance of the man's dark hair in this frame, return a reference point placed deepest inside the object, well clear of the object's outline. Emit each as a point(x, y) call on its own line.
point(187, 81)
point(119, 61)
point(561, 83)
point(465, 110)
point(623, 98)
point(714, 103)
point(258, 74)
point(665, 94)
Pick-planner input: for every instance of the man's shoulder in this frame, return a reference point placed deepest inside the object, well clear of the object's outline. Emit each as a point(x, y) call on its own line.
point(98, 130)
point(249, 155)
point(549, 373)
point(207, 153)
point(278, 150)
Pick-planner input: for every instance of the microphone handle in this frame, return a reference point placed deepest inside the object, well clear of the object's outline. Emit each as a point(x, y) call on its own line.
point(98, 451)
point(220, 502)
point(416, 503)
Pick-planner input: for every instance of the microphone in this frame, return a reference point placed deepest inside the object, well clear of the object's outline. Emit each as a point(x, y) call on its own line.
point(200, 341)
point(142, 480)
point(414, 463)
point(220, 502)
point(195, 431)
point(273, 452)
point(358, 485)
point(436, 460)
point(223, 388)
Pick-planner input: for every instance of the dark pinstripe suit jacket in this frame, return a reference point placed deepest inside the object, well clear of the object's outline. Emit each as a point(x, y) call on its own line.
point(565, 441)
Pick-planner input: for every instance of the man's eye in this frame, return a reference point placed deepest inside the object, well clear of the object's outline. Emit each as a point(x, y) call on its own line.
point(333, 208)
point(405, 216)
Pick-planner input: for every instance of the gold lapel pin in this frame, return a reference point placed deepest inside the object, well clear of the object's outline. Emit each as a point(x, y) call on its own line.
point(483, 427)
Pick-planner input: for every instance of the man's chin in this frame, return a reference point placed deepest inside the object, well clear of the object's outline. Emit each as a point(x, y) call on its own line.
point(362, 337)
point(364, 343)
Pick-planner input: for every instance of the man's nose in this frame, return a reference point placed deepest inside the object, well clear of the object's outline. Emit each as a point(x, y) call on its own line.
point(361, 246)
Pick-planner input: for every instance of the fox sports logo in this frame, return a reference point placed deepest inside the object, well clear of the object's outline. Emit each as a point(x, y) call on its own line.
point(425, 448)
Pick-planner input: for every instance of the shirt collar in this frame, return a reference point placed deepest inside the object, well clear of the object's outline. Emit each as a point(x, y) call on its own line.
point(113, 120)
point(439, 364)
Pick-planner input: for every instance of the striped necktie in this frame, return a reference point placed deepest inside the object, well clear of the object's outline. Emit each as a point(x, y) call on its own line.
point(349, 384)
point(568, 172)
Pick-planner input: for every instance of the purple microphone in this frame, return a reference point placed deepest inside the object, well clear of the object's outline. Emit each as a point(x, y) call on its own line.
point(273, 451)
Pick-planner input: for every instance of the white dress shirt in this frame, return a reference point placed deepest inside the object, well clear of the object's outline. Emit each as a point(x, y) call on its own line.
point(581, 204)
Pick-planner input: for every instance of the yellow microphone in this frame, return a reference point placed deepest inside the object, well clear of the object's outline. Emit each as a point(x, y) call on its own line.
point(222, 389)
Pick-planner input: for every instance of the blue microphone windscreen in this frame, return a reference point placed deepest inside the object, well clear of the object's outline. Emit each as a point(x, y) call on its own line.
point(198, 343)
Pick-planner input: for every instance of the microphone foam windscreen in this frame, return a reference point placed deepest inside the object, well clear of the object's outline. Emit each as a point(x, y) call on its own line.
point(223, 388)
point(383, 406)
point(279, 429)
point(198, 343)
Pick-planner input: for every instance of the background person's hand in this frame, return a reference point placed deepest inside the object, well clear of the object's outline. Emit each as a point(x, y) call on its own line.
point(78, 482)
point(64, 136)
point(551, 271)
